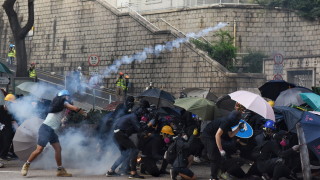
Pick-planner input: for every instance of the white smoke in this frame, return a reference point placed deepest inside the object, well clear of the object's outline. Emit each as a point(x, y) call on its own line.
point(141, 56)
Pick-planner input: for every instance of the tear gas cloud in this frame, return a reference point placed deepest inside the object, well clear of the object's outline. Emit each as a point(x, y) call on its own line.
point(141, 56)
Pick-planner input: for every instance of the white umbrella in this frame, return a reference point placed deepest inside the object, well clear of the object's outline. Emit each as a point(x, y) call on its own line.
point(254, 102)
point(40, 90)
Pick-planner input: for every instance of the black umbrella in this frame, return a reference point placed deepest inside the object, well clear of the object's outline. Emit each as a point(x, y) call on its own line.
point(158, 97)
point(273, 88)
point(4, 69)
point(290, 115)
point(168, 111)
point(225, 102)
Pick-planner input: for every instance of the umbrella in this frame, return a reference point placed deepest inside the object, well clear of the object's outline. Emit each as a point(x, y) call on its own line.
point(273, 88)
point(254, 103)
point(197, 92)
point(312, 99)
point(40, 90)
point(291, 97)
point(158, 97)
point(225, 102)
point(199, 106)
point(4, 69)
point(168, 111)
point(1, 98)
point(25, 138)
point(291, 116)
point(310, 124)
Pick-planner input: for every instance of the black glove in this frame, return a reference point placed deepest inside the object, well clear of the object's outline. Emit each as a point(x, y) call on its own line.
point(241, 125)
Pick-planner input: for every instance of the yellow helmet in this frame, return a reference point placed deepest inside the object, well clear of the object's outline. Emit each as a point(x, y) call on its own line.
point(10, 97)
point(271, 103)
point(167, 130)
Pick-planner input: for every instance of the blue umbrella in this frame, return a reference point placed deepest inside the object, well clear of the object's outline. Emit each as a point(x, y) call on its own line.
point(311, 125)
point(312, 99)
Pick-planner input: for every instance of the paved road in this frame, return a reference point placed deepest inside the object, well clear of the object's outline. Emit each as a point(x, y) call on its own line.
point(12, 172)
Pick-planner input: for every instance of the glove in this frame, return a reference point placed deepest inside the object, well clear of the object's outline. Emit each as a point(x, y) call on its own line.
point(296, 147)
point(195, 132)
point(241, 125)
point(222, 153)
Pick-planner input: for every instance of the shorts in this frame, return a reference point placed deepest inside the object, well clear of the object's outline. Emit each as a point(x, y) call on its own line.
point(46, 134)
point(185, 171)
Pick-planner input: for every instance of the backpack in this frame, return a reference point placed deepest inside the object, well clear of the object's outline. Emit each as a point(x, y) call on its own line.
point(171, 153)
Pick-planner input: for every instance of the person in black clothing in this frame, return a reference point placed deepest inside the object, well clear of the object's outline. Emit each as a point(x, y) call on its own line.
point(271, 162)
point(7, 123)
point(214, 134)
point(125, 126)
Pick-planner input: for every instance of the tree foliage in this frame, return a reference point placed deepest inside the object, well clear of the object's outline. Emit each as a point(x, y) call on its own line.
point(254, 60)
point(221, 50)
point(309, 9)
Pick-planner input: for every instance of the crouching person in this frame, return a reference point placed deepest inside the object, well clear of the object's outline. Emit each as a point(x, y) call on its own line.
point(47, 133)
point(183, 159)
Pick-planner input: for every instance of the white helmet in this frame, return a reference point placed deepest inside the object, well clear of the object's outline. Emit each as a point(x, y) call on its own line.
point(79, 68)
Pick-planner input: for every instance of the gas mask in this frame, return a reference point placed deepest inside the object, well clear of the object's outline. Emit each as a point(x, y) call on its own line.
point(284, 142)
point(166, 140)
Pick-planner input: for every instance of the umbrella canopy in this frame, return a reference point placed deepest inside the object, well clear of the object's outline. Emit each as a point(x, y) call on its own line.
point(290, 115)
point(199, 106)
point(273, 88)
point(254, 103)
point(4, 69)
point(225, 102)
point(1, 98)
point(25, 138)
point(197, 92)
point(312, 99)
point(311, 125)
point(40, 90)
point(158, 97)
point(291, 97)
point(168, 111)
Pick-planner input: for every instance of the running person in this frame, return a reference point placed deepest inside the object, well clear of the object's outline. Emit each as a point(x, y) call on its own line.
point(47, 131)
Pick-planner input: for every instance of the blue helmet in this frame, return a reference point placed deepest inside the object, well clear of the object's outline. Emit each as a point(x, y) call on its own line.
point(64, 93)
point(270, 124)
point(11, 45)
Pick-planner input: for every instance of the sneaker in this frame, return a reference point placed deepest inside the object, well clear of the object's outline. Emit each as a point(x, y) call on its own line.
point(112, 173)
point(63, 173)
point(196, 159)
point(136, 176)
point(173, 174)
point(25, 168)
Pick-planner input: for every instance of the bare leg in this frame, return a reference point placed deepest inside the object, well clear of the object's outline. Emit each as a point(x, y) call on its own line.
point(35, 153)
point(57, 149)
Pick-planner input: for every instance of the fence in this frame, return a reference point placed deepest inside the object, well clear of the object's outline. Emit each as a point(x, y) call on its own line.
point(153, 5)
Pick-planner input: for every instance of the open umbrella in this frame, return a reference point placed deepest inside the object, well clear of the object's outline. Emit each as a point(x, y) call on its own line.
point(273, 88)
point(312, 99)
point(199, 106)
point(168, 111)
point(4, 69)
point(291, 97)
point(1, 98)
point(25, 138)
point(254, 103)
point(291, 116)
point(225, 102)
point(310, 124)
point(197, 92)
point(40, 90)
point(158, 97)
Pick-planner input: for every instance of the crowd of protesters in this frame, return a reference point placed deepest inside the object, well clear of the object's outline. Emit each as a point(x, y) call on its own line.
point(146, 138)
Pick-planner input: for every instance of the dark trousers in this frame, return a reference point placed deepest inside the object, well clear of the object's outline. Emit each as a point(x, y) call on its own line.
point(129, 152)
point(149, 165)
point(213, 155)
point(273, 168)
point(6, 136)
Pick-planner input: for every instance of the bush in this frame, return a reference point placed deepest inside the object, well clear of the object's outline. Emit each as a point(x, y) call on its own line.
point(254, 61)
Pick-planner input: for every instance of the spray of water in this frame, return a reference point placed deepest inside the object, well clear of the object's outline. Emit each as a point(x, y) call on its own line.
point(156, 50)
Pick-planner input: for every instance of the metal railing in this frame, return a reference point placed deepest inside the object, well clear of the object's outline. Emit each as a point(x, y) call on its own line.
point(153, 5)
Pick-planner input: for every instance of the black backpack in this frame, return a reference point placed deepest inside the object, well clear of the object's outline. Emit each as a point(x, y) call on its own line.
point(171, 153)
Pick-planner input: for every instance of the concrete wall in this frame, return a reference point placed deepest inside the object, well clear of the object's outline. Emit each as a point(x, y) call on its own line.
point(68, 32)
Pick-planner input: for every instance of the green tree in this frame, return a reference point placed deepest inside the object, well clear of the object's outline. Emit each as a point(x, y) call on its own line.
point(254, 60)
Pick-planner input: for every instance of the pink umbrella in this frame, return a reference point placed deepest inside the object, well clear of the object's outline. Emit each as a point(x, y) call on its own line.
point(254, 102)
